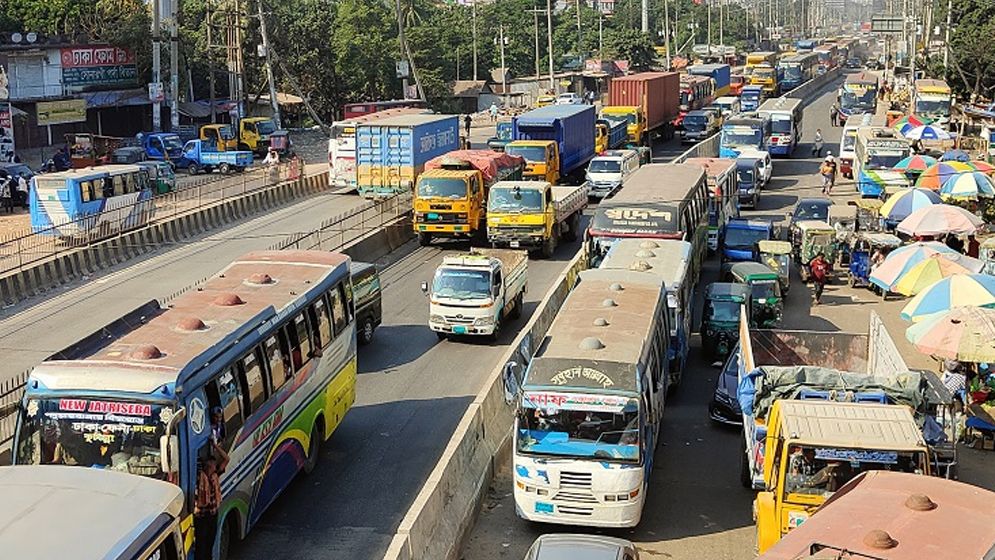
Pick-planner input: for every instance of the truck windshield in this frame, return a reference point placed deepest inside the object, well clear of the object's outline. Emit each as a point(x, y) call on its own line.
point(744, 238)
point(120, 435)
point(456, 283)
point(751, 95)
point(722, 311)
point(781, 125)
point(436, 187)
point(227, 133)
point(514, 200)
point(763, 73)
point(605, 166)
point(933, 107)
point(534, 154)
point(266, 127)
point(820, 471)
point(172, 143)
point(606, 430)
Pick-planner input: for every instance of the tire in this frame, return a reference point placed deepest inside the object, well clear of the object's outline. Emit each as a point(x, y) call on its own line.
point(549, 246)
point(193, 169)
point(574, 225)
point(365, 334)
point(224, 168)
point(744, 468)
point(243, 147)
point(224, 539)
point(424, 238)
point(313, 448)
point(516, 312)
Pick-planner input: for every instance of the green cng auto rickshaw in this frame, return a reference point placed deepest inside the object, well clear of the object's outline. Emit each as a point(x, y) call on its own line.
point(814, 237)
point(868, 213)
point(844, 220)
point(776, 255)
point(161, 175)
point(766, 304)
point(720, 318)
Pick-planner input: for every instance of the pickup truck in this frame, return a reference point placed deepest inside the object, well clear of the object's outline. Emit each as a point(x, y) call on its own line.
point(474, 293)
point(741, 237)
point(160, 146)
point(534, 214)
point(502, 135)
point(198, 156)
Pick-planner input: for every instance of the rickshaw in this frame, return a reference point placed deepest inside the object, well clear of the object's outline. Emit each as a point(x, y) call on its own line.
point(815, 237)
point(868, 213)
point(720, 317)
point(844, 220)
point(766, 303)
point(161, 175)
point(987, 255)
point(861, 250)
point(776, 255)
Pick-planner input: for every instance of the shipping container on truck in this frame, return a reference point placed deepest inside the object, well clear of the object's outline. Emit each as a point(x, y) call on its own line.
point(657, 96)
point(718, 72)
point(392, 152)
point(570, 128)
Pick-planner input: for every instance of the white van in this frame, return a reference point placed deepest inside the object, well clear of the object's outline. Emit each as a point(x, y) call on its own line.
point(607, 172)
point(728, 104)
point(766, 165)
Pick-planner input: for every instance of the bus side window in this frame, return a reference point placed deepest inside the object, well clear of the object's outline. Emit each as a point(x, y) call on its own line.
point(86, 191)
point(224, 392)
point(323, 323)
point(300, 342)
point(339, 315)
point(253, 386)
point(278, 360)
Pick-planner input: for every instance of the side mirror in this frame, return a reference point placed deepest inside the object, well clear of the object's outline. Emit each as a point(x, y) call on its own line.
point(512, 385)
point(169, 453)
point(424, 288)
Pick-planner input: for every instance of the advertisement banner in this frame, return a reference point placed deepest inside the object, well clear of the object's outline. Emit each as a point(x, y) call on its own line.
point(61, 112)
point(95, 68)
point(6, 133)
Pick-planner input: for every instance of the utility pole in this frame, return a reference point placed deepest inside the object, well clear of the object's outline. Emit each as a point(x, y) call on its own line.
point(273, 101)
point(709, 11)
point(156, 64)
point(174, 65)
point(535, 18)
point(504, 69)
point(645, 13)
point(946, 35)
point(580, 52)
point(722, 22)
point(666, 30)
point(208, 6)
point(473, 26)
point(549, 45)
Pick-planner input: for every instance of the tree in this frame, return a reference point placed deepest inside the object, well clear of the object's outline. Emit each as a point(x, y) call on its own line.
point(632, 45)
point(971, 54)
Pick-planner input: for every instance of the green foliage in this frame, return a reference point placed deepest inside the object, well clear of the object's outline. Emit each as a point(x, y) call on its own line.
point(629, 44)
point(971, 53)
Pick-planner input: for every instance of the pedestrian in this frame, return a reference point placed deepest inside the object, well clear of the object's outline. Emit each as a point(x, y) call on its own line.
point(23, 191)
point(973, 247)
point(467, 121)
point(493, 111)
point(834, 115)
point(7, 193)
point(955, 243)
point(819, 268)
point(207, 500)
point(828, 172)
point(817, 143)
point(272, 158)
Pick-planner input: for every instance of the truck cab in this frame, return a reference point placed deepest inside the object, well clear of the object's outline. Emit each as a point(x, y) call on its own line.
point(542, 158)
point(636, 122)
point(502, 135)
point(742, 236)
point(220, 136)
point(254, 134)
point(162, 146)
point(533, 214)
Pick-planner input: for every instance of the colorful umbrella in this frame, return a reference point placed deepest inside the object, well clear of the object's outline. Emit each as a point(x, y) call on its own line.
point(963, 333)
point(926, 273)
point(909, 122)
point(900, 205)
point(982, 166)
point(927, 132)
point(935, 175)
point(915, 164)
point(940, 219)
point(952, 291)
point(902, 259)
point(968, 186)
point(955, 155)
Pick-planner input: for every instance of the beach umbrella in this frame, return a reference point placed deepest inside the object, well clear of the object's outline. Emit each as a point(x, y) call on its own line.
point(966, 334)
point(940, 219)
point(968, 186)
point(928, 272)
point(927, 132)
point(900, 205)
point(915, 164)
point(935, 175)
point(949, 292)
point(902, 259)
point(909, 122)
point(982, 166)
point(955, 155)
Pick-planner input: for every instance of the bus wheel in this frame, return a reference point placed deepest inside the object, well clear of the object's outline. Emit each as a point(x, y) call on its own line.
point(313, 448)
point(366, 331)
point(224, 540)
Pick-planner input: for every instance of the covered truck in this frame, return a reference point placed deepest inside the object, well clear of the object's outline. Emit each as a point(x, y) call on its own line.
point(556, 141)
point(391, 153)
point(648, 102)
point(451, 194)
point(534, 215)
point(719, 73)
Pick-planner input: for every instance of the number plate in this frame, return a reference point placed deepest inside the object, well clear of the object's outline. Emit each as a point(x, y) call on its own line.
point(542, 507)
point(433, 216)
point(459, 330)
point(514, 244)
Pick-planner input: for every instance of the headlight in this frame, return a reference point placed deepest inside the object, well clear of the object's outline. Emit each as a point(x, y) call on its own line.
point(436, 319)
point(483, 321)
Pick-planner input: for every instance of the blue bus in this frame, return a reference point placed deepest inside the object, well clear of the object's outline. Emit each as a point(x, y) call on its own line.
point(751, 97)
point(259, 362)
point(797, 70)
point(745, 131)
point(107, 199)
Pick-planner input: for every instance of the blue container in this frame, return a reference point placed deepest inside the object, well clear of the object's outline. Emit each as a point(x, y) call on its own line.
point(570, 126)
point(720, 73)
point(392, 152)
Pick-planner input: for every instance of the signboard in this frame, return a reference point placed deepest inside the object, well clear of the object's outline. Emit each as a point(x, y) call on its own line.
point(401, 68)
point(156, 92)
point(6, 133)
point(550, 401)
point(61, 112)
point(96, 68)
point(887, 24)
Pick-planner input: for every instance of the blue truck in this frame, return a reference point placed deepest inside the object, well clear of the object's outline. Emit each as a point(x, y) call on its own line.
point(610, 135)
point(161, 146)
point(197, 156)
point(556, 141)
point(742, 236)
point(720, 73)
point(502, 135)
point(392, 152)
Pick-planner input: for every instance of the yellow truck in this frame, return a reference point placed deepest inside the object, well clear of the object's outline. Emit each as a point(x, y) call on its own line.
point(534, 215)
point(933, 99)
point(451, 194)
point(253, 134)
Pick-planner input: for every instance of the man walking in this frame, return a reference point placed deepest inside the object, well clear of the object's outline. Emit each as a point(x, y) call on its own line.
point(834, 115)
point(817, 143)
point(819, 268)
point(467, 121)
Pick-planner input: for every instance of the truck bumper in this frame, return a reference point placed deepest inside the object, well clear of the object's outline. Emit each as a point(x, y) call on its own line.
point(514, 240)
point(462, 329)
point(444, 230)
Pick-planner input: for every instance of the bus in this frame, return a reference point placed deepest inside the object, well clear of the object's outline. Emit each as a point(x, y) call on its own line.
point(827, 58)
point(268, 345)
point(806, 45)
point(353, 110)
point(89, 513)
point(859, 94)
point(848, 140)
point(589, 408)
point(101, 200)
point(875, 153)
point(723, 198)
point(797, 70)
point(342, 145)
point(785, 114)
point(933, 100)
point(748, 131)
point(670, 260)
point(659, 201)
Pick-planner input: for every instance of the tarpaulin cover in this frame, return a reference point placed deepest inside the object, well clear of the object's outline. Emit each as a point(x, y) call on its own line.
point(488, 162)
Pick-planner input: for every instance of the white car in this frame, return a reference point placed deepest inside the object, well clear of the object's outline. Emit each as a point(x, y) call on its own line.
point(569, 98)
point(766, 165)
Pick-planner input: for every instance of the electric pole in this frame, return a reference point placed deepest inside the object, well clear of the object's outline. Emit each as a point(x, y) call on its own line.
point(666, 30)
point(156, 65)
point(174, 66)
point(273, 101)
point(473, 27)
point(645, 13)
point(549, 46)
point(580, 52)
point(504, 69)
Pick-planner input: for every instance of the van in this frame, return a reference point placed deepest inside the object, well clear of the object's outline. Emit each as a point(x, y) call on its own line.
point(766, 165)
point(748, 180)
point(728, 104)
point(698, 125)
point(607, 172)
point(366, 290)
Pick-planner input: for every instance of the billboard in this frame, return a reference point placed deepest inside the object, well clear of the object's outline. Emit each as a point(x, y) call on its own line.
point(61, 112)
point(91, 68)
point(6, 121)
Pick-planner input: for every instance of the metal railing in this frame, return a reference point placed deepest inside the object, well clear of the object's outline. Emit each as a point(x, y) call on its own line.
point(11, 391)
point(23, 250)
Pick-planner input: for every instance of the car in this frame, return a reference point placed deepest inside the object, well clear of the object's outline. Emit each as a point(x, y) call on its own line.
point(366, 288)
point(544, 100)
point(854, 63)
point(563, 546)
point(128, 155)
point(724, 407)
point(569, 98)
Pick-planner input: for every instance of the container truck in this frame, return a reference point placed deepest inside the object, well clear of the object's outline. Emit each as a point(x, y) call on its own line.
point(719, 73)
point(451, 194)
point(474, 293)
point(534, 215)
point(648, 102)
point(342, 144)
point(609, 135)
point(391, 153)
point(556, 141)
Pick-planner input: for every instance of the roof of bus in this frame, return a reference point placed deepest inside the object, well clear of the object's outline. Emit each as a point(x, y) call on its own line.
point(959, 526)
point(713, 166)
point(605, 320)
point(931, 84)
point(89, 172)
point(862, 78)
point(253, 289)
point(780, 104)
point(666, 258)
point(850, 425)
point(659, 183)
point(69, 512)
point(880, 132)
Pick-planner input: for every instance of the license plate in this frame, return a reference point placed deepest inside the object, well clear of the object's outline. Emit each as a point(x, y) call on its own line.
point(459, 330)
point(542, 507)
point(515, 244)
point(433, 216)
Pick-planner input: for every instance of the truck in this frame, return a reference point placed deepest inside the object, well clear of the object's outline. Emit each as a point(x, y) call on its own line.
point(534, 215)
point(161, 146)
point(648, 102)
point(392, 152)
point(253, 134)
point(696, 93)
point(556, 141)
point(474, 293)
point(719, 73)
point(451, 194)
point(609, 135)
point(198, 156)
point(767, 78)
point(342, 144)
point(742, 236)
point(932, 100)
point(502, 135)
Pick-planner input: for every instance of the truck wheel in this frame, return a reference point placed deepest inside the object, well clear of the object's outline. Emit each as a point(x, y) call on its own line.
point(193, 169)
point(744, 467)
point(424, 238)
point(516, 312)
point(549, 247)
point(224, 168)
point(365, 333)
point(243, 147)
point(574, 225)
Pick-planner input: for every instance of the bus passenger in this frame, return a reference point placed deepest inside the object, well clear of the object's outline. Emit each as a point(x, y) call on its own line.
point(207, 500)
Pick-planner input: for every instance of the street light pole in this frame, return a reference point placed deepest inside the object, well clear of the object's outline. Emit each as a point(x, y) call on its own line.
point(549, 43)
point(473, 26)
point(157, 64)
point(535, 16)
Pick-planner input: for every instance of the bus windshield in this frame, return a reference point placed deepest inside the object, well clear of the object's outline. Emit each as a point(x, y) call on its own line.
point(793, 72)
point(933, 107)
point(437, 187)
point(883, 159)
point(514, 200)
point(120, 435)
point(780, 125)
point(864, 100)
point(741, 137)
point(606, 430)
point(849, 140)
point(535, 154)
point(455, 283)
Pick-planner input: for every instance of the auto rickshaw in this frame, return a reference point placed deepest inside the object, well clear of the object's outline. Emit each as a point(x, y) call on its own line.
point(987, 255)
point(720, 317)
point(868, 213)
point(161, 175)
point(815, 237)
point(776, 255)
point(844, 220)
point(862, 249)
point(766, 303)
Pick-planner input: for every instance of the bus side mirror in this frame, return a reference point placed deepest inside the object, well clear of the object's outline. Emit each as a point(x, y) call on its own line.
point(424, 288)
point(169, 453)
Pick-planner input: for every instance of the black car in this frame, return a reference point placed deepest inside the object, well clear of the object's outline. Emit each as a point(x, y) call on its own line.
point(127, 155)
point(854, 63)
point(366, 292)
point(809, 209)
point(724, 407)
